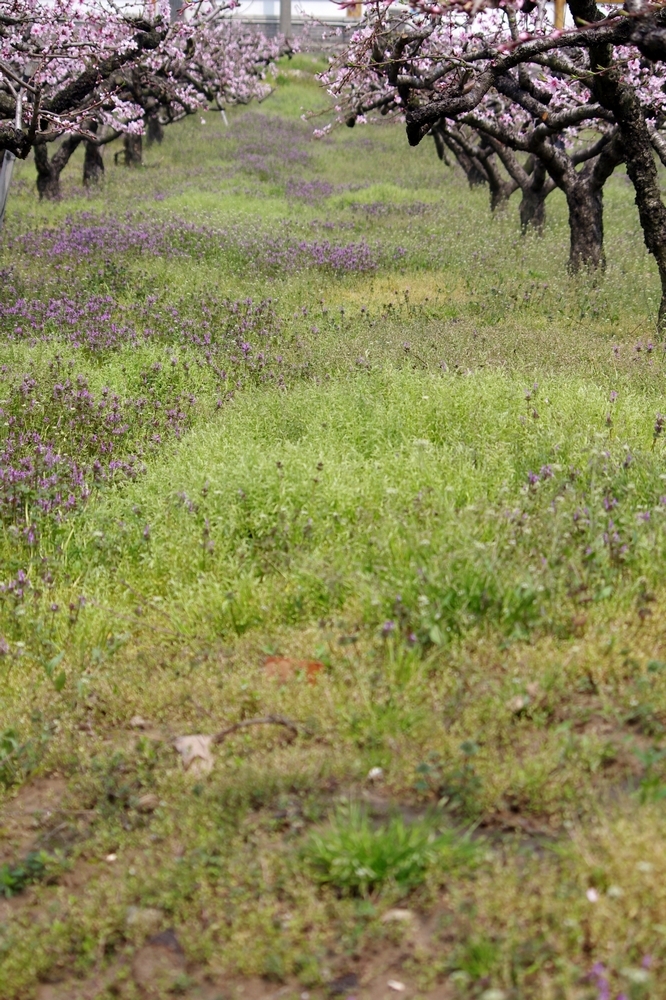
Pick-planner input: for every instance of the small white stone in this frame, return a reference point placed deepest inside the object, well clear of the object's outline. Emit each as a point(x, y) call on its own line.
point(396, 986)
point(111, 857)
point(375, 774)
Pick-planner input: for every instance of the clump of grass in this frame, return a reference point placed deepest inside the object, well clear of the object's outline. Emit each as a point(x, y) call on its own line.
point(38, 866)
point(357, 857)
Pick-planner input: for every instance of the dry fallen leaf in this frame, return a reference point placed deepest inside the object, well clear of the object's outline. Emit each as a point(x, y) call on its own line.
point(396, 986)
point(196, 753)
point(136, 722)
point(285, 668)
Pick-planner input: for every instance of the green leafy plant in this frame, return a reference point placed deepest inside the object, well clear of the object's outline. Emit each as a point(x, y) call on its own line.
point(38, 866)
point(457, 787)
point(357, 857)
point(652, 787)
point(19, 757)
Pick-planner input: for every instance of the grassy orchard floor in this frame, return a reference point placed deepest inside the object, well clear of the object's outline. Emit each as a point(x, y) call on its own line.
point(426, 482)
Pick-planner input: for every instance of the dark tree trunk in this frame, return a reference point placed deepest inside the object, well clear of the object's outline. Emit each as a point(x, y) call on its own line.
point(642, 172)
point(533, 211)
point(533, 204)
point(586, 227)
point(474, 172)
point(584, 193)
point(585, 197)
point(533, 180)
point(133, 146)
point(619, 97)
point(473, 169)
point(49, 171)
point(93, 164)
point(500, 188)
point(48, 179)
point(154, 131)
point(440, 147)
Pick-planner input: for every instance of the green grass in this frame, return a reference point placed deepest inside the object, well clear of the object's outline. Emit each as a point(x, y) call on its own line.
point(487, 638)
point(355, 857)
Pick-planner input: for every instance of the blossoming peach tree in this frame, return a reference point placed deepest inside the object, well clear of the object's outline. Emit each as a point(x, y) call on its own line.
point(90, 70)
point(558, 107)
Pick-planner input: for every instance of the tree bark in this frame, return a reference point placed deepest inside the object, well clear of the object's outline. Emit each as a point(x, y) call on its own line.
point(154, 131)
point(472, 168)
point(619, 97)
point(533, 203)
point(133, 147)
point(642, 172)
point(93, 164)
point(48, 179)
point(500, 188)
point(535, 184)
point(49, 171)
point(532, 211)
point(440, 147)
point(586, 227)
point(584, 193)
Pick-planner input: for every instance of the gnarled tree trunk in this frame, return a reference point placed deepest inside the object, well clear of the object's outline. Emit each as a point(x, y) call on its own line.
point(48, 179)
point(586, 226)
point(133, 147)
point(585, 201)
point(584, 193)
point(501, 189)
point(473, 168)
point(535, 184)
point(154, 130)
point(440, 147)
point(533, 203)
point(93, 164)
point(613, 93)
point(49, 171)
point(642, 172)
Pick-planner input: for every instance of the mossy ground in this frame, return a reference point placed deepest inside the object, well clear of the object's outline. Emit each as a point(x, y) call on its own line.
point(452, 500)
